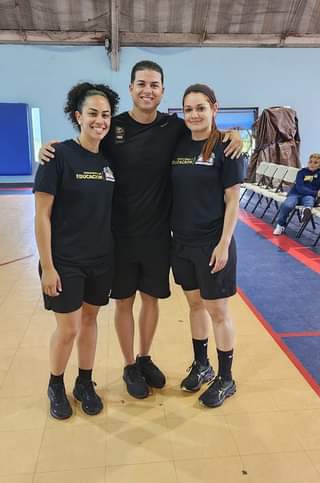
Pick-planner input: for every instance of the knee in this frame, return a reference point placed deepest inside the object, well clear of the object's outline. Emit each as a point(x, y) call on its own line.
point(148, 301)
point(218, 315)
point(196, 305)
point(124, 305)
point(89, 320)
point(68, 334)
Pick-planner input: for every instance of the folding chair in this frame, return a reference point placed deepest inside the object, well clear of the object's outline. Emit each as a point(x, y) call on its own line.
point(316, 213)
point(259, 177)
point(263, 190)
point(280, 196)
point(277, 182)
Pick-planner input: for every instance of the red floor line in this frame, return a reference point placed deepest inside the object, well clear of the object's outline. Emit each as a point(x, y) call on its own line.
point(16, 189)
point(277, 338)
point(15, 260)
point(303, 254)
point(299, 334)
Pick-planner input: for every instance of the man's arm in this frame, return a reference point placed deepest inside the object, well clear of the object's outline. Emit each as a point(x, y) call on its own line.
point(46, 152)
point(235, 146)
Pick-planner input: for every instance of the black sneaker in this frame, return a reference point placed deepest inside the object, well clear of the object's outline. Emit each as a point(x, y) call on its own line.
point(59, 405)
point(152, 374)
point(85, 393)
point(136, 383)
point(306, 214)
point(198, 375)
point(217, 392)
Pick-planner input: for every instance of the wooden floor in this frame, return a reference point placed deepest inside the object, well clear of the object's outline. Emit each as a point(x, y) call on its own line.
point(269, 432)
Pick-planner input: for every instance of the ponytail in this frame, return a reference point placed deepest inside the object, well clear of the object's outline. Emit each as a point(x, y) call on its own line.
point(214, 137)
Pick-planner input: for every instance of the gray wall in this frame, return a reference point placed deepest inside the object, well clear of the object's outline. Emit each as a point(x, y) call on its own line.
point(42, 75)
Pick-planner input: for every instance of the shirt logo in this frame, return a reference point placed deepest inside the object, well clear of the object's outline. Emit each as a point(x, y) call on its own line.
point(119, 135)
point(108, 174)
point(209, 162)
point(92, 175)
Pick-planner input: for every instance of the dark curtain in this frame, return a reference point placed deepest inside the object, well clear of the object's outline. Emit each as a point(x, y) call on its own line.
point(277, 139)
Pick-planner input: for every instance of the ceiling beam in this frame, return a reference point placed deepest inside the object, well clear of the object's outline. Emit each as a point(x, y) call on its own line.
point(159, 39)
point(56, 37)
point(115, 46)
point(219, 40)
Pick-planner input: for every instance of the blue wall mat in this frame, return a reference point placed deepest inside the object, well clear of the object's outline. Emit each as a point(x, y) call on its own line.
point(278, 285)
point(307, 350)
point(15, 153)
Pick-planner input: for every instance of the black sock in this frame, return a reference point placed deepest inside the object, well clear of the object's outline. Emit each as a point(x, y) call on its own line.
point(200, 349)
point(85, 374)
point(225, 362)
point(56, 379)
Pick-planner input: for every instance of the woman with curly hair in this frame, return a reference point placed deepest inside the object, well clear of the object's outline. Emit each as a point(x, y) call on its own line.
point(73, 198)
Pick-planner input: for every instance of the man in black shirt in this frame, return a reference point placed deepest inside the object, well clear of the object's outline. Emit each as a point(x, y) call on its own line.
point(140, 146)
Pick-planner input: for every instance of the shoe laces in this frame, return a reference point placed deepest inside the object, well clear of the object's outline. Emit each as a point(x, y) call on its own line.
point(217, 381)
point(195, 367)
point(89, 389)
point(59, 392)
point(135, 374)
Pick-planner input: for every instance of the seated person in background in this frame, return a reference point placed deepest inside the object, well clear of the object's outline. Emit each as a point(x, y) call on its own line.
point(304, 192)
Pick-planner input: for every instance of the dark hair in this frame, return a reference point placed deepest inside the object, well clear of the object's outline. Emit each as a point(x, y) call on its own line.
point(146, 65)
point(79, 93)
point(215, 135)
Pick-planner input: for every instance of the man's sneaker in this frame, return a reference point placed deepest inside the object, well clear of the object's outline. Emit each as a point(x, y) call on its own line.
point(136, 383)
point(198, 375)
point(305, 214)
point(278, 230)
point(85, 393)
point(152, 374)
point(59, 405)
point(217, 392)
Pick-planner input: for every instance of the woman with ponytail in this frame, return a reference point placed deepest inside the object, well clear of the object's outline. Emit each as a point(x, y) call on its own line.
point(206, 187)
point(73, 199)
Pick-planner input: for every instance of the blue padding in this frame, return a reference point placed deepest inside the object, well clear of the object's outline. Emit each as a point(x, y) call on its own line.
point(234, 119)
point(281, 288)
point(228, 118)
point(15, 153)
point(307, 351)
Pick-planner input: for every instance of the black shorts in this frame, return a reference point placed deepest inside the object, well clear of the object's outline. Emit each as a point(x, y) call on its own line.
point(142, 265)
point(190, 266)
point(91, 285)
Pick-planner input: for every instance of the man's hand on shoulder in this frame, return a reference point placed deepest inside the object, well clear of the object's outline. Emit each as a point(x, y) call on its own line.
point(46, 152)
point(234, 148)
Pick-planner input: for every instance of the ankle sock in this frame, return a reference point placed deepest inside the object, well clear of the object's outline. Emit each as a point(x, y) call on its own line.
point(56, 379)
point(85, 374)
point(225, 359)
point(200, 349)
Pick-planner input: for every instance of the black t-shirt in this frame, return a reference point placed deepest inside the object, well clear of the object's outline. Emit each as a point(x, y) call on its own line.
point(198, 190)
point(141, 155)
point(82, 184)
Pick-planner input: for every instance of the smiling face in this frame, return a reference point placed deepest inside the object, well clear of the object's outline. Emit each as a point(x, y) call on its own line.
point(94, 119)
point(198, 114)
point(146, 90)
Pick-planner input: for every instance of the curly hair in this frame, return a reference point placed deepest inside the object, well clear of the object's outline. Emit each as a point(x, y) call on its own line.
point(78, 94)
